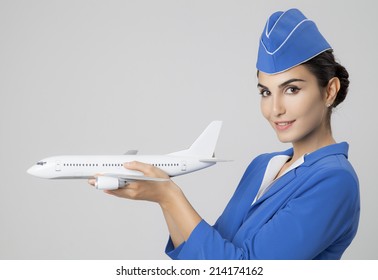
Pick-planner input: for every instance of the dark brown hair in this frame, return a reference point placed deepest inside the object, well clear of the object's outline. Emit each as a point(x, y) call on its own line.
point(325, 67)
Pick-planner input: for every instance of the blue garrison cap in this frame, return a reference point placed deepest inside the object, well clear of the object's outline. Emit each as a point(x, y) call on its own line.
point(288, 39)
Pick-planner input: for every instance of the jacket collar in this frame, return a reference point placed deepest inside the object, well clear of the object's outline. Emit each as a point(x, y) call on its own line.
point(334, 149)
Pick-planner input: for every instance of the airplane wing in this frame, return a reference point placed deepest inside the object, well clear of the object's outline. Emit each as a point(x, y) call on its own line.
point(133, 177)
point(112, 181)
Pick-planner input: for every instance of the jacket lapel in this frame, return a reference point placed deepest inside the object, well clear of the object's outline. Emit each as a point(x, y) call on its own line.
point(276, 186)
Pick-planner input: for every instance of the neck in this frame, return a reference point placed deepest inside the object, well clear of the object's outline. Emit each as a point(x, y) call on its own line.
point(311, 144)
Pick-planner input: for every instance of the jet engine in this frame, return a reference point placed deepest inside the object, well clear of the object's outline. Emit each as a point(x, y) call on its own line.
point(109, 183)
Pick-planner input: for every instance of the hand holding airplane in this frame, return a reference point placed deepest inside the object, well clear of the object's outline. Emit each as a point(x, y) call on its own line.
point(160, 192)
point(108, 170)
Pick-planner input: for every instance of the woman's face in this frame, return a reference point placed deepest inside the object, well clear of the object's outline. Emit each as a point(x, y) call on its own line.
point(294, 105)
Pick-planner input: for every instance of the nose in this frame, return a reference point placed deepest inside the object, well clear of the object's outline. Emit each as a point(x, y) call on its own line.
point(278, 107)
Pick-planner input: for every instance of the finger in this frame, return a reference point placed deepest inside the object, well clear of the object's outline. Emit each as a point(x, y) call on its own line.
point(136, 165)
point(146, 169)
point(114, 193)
point(110, 192)
point(123, 193)
point(92, 182)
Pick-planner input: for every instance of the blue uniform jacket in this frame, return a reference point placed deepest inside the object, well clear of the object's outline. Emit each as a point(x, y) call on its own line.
point(311, 212)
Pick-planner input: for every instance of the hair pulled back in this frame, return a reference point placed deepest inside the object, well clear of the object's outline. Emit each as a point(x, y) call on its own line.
point(325, 67)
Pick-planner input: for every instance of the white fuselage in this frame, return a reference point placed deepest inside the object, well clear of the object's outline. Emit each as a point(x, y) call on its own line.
point(90, 166)
point(109, 172)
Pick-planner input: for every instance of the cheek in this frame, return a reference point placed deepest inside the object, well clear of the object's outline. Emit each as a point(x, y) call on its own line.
point(312, 110)
point(264, 107)
point(317, 113)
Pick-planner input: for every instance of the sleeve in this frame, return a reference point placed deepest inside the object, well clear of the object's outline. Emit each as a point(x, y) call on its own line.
point(205, 242)
point(203, 228)
point(308, 224)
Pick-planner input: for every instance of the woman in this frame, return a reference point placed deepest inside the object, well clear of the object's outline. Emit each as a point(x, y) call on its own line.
point(302, 203)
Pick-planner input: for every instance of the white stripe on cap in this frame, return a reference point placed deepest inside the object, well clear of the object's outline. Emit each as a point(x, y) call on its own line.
point(287, 38)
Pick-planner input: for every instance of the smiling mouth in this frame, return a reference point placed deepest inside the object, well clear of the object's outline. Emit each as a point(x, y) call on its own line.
point(283, 125)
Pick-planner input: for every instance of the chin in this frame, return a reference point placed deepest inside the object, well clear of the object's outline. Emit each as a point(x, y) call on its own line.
point(284, 139)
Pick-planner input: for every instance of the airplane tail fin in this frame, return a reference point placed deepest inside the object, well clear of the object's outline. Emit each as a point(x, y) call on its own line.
point(205, 144)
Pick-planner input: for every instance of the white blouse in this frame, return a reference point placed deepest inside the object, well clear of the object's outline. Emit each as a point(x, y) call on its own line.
point(274, 166)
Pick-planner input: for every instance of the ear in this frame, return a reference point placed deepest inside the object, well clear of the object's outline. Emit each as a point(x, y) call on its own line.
point(332, 89)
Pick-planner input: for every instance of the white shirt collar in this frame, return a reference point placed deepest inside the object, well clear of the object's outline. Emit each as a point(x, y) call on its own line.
point(274, 166)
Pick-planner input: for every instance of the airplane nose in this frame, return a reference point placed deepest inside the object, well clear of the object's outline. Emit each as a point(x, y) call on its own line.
point(38, 171)
point(32, 171)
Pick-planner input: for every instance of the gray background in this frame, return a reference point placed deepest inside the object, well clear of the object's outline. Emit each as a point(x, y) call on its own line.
point(103, 77)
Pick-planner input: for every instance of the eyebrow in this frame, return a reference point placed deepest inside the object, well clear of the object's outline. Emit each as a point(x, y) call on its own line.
point(284, 83)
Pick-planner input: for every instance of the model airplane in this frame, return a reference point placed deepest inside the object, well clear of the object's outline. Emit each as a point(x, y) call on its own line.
point(109, 173)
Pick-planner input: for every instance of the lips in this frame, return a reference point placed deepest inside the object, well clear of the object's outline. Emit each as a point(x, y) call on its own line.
point(283, 125)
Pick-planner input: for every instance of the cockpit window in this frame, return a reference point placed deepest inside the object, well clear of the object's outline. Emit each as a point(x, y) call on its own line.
point(41, 163)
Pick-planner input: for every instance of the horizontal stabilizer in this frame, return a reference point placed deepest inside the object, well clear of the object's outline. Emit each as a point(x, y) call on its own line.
point(215, 160)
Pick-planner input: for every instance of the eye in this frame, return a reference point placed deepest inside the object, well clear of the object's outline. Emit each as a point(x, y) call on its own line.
point(264, 93)
point(292, 90)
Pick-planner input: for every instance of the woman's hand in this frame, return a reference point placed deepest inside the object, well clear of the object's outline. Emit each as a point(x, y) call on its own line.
point(180, 216)
point(159, 192)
